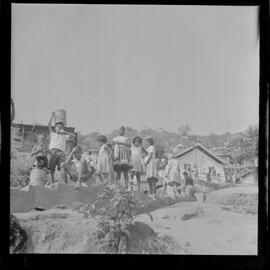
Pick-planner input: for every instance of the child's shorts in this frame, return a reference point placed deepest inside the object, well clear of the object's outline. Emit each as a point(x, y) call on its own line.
point(152, 180)
point(73, 173)
point(121, 167)
point(172, 184)
point(57, 157)
point(133, 173)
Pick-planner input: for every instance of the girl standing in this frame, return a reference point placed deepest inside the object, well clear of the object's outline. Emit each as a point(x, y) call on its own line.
point(173, 174)
point(162, 173)
point(103, 163)
point(150, 166)
point(136, 158)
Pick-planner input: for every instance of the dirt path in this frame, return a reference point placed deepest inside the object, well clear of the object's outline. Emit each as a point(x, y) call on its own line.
point(215, 231)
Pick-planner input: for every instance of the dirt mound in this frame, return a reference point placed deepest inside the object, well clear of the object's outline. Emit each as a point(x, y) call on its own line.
point(24, 200)
point(66, 231)
point(58, 231)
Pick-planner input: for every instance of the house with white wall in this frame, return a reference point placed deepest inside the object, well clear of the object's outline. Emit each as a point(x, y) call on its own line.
point(199, 158)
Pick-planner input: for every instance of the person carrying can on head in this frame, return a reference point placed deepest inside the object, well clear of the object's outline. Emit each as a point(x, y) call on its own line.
point(57, 146)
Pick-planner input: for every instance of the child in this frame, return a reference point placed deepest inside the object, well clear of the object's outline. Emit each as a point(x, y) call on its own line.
point(162, 173)
point(136, 158)
point(77, 168)
point(57, 146)
point(111, 171)
point(103, 163)
point(150, 166)
point(122, 155)
point(40, 152)
point(173, 173)
point(189, 185)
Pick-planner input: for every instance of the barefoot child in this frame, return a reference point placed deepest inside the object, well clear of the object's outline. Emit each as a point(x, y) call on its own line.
point(137, 160)
point(77, 168)
point(111, 170)
point(57, 145)
point(40, 152)
point(162, 173)
point(103, 158)
point(150, 166)
point(39, 173)
point(173, 175)
point(189, 185)
point(122, 155)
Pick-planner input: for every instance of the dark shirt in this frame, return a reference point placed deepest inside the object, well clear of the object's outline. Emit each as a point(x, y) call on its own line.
point(189, 180)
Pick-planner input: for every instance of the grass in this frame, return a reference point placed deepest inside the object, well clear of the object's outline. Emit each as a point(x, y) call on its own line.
point(20, 167)
point(240, 202)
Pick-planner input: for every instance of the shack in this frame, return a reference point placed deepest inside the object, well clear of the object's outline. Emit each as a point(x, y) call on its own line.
point(24, 136)
point(200, 159)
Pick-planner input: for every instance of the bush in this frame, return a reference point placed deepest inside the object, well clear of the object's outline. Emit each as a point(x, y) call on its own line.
point(20, 167)
point(114, 225)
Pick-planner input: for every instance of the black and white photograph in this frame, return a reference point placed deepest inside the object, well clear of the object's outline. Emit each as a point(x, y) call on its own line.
point(134, 129)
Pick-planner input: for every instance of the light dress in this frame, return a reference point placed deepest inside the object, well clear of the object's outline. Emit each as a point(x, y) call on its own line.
point(162, 176)
point(151, 167)
point(136, 158)
point(103, 164)
point(173, 171)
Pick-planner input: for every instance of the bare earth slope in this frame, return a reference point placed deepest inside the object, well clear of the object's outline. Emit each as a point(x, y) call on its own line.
point(211, 231)
point(207, 229)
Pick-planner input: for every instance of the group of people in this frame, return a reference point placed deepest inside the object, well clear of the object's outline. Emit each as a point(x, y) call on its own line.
point(121, 156)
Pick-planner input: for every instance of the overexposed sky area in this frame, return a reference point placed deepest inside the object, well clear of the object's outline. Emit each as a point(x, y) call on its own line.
point(138, 66)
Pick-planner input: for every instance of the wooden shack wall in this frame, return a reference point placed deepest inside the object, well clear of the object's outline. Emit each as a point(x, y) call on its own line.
point(24, 141)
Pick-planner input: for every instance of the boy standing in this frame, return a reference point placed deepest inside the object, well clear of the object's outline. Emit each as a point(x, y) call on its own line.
point(57, 145)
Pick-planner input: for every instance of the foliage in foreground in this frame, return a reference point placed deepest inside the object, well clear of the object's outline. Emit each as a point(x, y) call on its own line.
point(20, 167)
point(113, 225)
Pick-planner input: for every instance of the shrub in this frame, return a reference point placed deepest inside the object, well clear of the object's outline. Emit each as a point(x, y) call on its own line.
point(20, 167)
point(114, 225)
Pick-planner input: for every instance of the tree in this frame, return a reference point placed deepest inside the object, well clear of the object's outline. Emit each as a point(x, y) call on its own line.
point(160, 151)
point(184, 130)
point(244, 146)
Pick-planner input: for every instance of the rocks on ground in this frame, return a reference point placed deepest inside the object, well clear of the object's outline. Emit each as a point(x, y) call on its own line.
point(18, 236)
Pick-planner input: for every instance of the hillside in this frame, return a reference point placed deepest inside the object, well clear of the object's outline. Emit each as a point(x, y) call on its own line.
point(240, 145)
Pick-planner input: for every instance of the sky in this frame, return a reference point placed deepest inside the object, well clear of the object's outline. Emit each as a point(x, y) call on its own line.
point(137, 66)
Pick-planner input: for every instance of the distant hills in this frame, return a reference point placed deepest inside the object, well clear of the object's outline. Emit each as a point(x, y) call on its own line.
point(240, 146)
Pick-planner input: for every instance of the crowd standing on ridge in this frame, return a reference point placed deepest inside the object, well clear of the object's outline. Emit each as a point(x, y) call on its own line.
point(121, 157)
